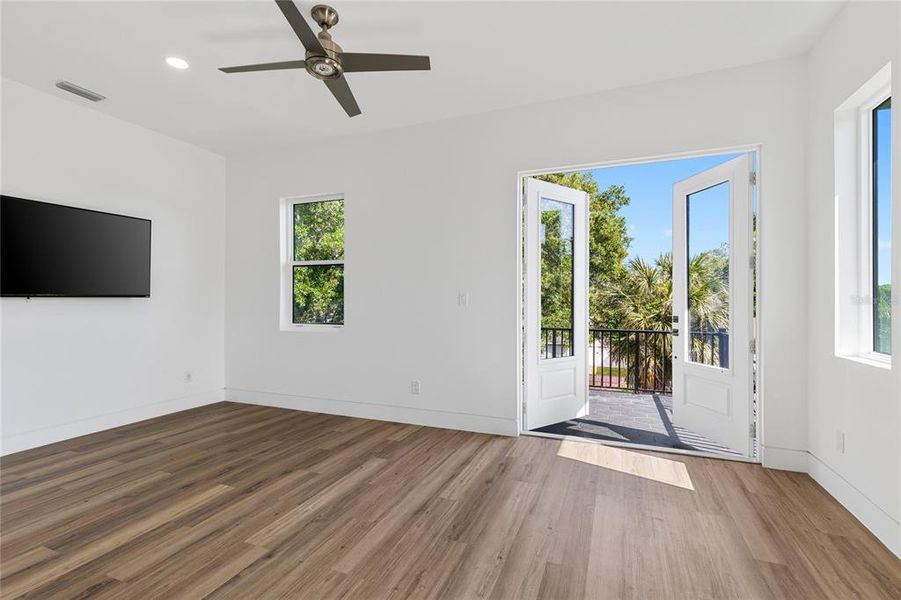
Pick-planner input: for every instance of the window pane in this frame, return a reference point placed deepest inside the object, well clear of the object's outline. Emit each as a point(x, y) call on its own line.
point(882, 227)
point(556, 239)
point(319, 294)
point(708, 275)
point(319, 230)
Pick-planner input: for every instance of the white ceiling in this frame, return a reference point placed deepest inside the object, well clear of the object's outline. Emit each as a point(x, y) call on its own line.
point(485, 56)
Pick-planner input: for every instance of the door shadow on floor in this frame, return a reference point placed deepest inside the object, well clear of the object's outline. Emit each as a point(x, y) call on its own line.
point(589, 428)
point(613, 417)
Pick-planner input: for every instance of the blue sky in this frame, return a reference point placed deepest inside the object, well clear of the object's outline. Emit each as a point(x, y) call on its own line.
point(649, 217)
point(884, 195)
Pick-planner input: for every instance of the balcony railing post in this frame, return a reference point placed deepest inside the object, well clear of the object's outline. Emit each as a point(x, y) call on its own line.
point(637, 369)
point(723, 342)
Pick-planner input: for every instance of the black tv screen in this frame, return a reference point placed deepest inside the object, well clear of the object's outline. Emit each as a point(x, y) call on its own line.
point(54, 250)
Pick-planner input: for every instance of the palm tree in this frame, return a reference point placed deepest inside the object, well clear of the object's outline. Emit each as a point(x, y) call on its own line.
point(708, 305)
point(643, 300)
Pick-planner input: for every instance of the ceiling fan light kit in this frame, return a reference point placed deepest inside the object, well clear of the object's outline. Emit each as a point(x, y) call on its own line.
point(326, 60)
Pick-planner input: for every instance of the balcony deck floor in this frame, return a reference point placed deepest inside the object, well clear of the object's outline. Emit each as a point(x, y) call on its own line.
point(645, 419)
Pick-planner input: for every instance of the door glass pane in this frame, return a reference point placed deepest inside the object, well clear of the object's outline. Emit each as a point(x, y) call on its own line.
point(319, 230)
point(556, 239)
point(707, 249)
point(318, 295)
point(882, 228)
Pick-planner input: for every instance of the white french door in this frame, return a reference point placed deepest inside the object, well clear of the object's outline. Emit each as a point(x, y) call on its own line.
point(556, 300)
point(712, 304)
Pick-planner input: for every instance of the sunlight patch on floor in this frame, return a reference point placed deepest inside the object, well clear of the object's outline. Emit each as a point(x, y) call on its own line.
point(663, 470)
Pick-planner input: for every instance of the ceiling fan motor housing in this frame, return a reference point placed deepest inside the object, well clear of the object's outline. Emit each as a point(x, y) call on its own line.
point(328, 66)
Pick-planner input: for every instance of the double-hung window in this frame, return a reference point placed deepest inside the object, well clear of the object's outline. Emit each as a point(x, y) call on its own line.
point(313, 263)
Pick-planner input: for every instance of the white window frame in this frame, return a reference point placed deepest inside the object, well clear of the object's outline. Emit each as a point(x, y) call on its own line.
point(286, 253)
point(854, 249)
point(867, 250)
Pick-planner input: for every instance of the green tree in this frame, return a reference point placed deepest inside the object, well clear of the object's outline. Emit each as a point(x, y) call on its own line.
point(643, 300)
point(608, 244)
point(318, 236)
point(319, 230)
point(556, 271)
point(883, 332)
point(708, 289)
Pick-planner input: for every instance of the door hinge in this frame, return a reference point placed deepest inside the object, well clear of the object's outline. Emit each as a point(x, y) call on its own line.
point(752, 345)
point(752, 177)
point(752, 261)
point(752, 429)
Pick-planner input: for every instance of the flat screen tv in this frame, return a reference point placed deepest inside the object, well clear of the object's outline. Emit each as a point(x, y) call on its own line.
point(54, 250)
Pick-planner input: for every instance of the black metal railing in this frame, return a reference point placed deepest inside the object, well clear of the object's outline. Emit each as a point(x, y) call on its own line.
point(710, 347)
point(556, 342)
point(636, 360)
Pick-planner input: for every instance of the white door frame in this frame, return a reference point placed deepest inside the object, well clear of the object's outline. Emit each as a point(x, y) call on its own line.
point(762, 245)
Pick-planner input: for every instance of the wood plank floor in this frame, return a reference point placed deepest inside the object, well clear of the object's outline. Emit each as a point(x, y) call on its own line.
point(237, 501)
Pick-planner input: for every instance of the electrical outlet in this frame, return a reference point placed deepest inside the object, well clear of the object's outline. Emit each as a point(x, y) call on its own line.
point(463, 299)
point(839, 441)
point(415, 387)
point(188, 376)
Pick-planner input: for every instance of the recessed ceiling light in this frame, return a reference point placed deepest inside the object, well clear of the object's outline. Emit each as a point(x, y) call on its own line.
point(177, 63)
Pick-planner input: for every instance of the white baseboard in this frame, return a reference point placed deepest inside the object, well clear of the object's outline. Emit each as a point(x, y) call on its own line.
point(379, 412)
point(784, 459)
point(880, 523)
point(56, 433)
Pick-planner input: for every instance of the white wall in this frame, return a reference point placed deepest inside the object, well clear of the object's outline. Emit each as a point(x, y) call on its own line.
point(73, 366)
point(861, 400)
point(432, 211)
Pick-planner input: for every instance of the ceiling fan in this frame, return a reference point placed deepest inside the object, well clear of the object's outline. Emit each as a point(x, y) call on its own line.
point(326, 60)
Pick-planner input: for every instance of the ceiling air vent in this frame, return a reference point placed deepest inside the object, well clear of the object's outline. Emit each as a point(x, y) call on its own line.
point(80, 91)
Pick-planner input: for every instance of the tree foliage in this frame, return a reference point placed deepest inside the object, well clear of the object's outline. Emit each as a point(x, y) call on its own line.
point(883, 313)
point(318, 290)
point(319, 230)
point(556, 270)
point(319, 294)
point(608, 246)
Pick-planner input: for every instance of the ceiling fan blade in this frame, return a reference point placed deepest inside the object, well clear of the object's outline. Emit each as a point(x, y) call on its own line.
point(273, 66)
point(354, 62)
point(300, 27)
point(341, 91)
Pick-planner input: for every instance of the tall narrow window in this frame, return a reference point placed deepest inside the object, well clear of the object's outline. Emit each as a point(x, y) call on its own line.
point(882, 229)
point(863, 222)
point(708, 269)
point(315, 270)
point(556, 239)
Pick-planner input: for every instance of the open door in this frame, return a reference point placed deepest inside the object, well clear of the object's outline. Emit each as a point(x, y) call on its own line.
point(556, 300)
point(712, 295)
